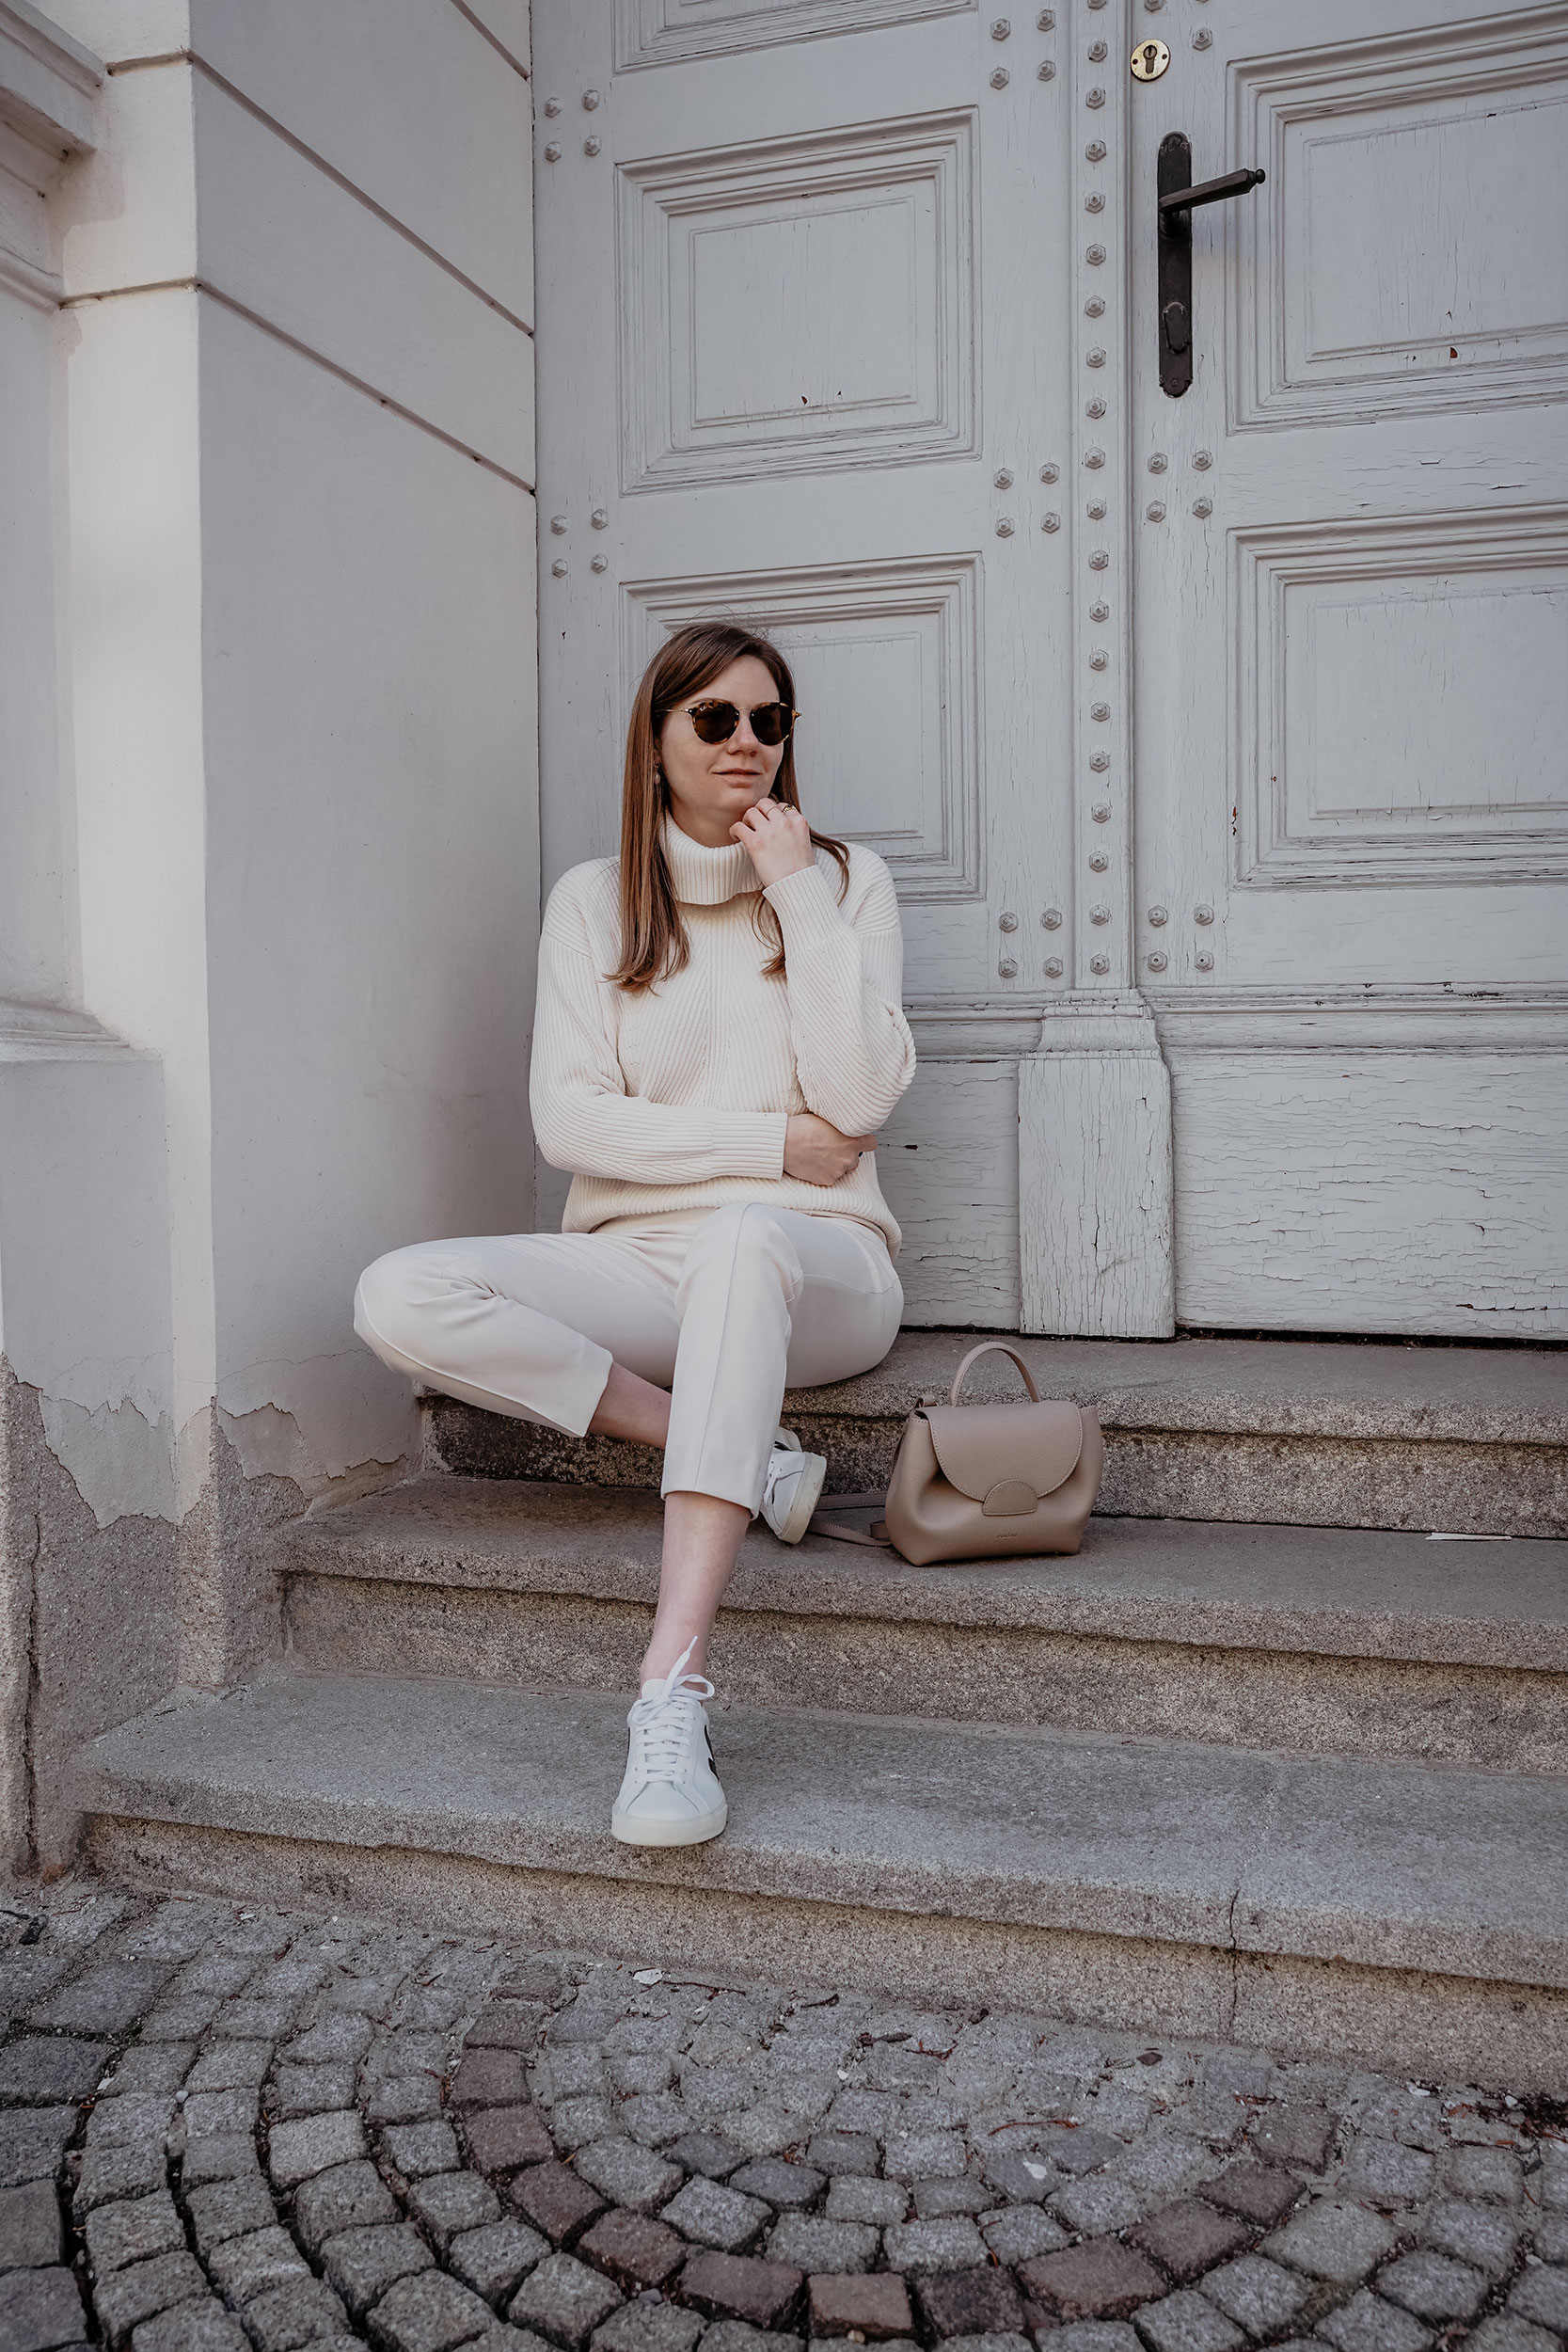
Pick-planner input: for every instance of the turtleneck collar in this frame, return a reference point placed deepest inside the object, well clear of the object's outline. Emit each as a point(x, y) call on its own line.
point(705, 877)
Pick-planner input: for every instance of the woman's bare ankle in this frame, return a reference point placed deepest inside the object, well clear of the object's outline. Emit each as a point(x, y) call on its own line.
point(664, 1653)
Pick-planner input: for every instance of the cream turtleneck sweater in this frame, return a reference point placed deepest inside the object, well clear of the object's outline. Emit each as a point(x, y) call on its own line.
point(678, 1098)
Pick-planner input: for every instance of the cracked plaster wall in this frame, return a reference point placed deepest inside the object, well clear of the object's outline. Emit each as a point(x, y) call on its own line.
point(112, 1595)
point(132, 1556)
point(129, 1567)
point(90, 1632)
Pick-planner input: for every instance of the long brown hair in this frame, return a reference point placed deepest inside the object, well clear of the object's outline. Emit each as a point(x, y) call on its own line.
point(654, 943)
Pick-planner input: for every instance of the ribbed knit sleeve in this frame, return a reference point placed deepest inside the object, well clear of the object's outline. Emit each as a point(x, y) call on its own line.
point(583, 1117)
point(853, 1051)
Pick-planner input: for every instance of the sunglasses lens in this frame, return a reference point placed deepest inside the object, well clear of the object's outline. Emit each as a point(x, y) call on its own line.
point(772, 723)
point(714, 723)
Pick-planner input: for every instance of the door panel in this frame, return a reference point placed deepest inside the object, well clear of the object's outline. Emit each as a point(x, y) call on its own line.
point(663, 32)
point(800, 307)
point(1404, 703)
point(774, 385)
point(1352, 649)
point(1408, 268)
point(1280, 1130)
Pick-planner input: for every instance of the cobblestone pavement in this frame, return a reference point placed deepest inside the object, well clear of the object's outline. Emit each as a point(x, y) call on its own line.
point(226, 2129)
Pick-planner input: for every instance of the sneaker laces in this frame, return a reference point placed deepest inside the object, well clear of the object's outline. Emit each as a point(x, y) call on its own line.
point(662, 1720)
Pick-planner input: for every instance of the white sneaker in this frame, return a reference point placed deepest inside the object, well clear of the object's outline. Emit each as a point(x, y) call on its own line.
point(670, 1795)
point(793, 1487)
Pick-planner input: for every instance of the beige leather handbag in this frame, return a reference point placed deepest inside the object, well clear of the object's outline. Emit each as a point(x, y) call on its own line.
point(985, 1482)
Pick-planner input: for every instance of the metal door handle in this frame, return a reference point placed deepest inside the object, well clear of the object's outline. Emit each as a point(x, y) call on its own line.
point(1211, 191)
point(1178, 197)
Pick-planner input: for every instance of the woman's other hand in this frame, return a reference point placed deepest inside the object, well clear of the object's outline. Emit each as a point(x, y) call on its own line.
point(776, 838)
point(817, 1153)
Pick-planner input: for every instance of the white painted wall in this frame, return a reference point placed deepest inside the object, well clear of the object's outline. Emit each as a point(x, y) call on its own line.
point(372, 888)
point(268, 821)
point(86, 1583)
point(298, 279)
point(268, 871)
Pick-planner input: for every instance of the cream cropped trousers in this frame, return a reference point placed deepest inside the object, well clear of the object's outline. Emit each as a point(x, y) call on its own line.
point(723, 1307)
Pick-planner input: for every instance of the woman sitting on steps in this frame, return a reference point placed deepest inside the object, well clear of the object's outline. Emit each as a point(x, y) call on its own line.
point(719, 1036)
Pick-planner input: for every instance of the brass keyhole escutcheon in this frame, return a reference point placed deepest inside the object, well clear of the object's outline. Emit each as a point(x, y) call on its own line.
point(1149, 60)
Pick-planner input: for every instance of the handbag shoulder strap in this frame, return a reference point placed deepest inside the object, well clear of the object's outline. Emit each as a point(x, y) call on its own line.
point(1001, 1348)
point(875, 1534)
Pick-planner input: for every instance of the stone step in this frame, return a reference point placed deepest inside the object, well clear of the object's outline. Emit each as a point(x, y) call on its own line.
point(1294, 1432)
point(1334, 1640)
point(1412, 1915)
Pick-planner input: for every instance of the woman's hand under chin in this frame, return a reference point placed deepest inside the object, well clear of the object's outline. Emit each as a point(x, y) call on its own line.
point(776, 838)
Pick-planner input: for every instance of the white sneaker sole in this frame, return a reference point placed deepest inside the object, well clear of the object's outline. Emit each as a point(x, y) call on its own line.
point(808, 1494)
point(695, 1832)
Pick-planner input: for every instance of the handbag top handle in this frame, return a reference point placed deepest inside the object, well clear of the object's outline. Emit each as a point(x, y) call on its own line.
point(1001, 1348)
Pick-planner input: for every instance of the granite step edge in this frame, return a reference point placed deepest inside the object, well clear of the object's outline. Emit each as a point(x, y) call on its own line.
point(1259, 1477)
point(1135, 1580)
point(1419, 2025)
point(1382, 1866)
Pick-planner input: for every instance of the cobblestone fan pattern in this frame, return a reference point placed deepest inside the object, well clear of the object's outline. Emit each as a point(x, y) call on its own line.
point(227, 2131)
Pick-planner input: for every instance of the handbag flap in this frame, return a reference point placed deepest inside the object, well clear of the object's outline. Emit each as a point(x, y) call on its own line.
point(980, 1446)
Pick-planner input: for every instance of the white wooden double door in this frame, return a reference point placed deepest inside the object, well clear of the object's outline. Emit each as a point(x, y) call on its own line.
point(1219, 745)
